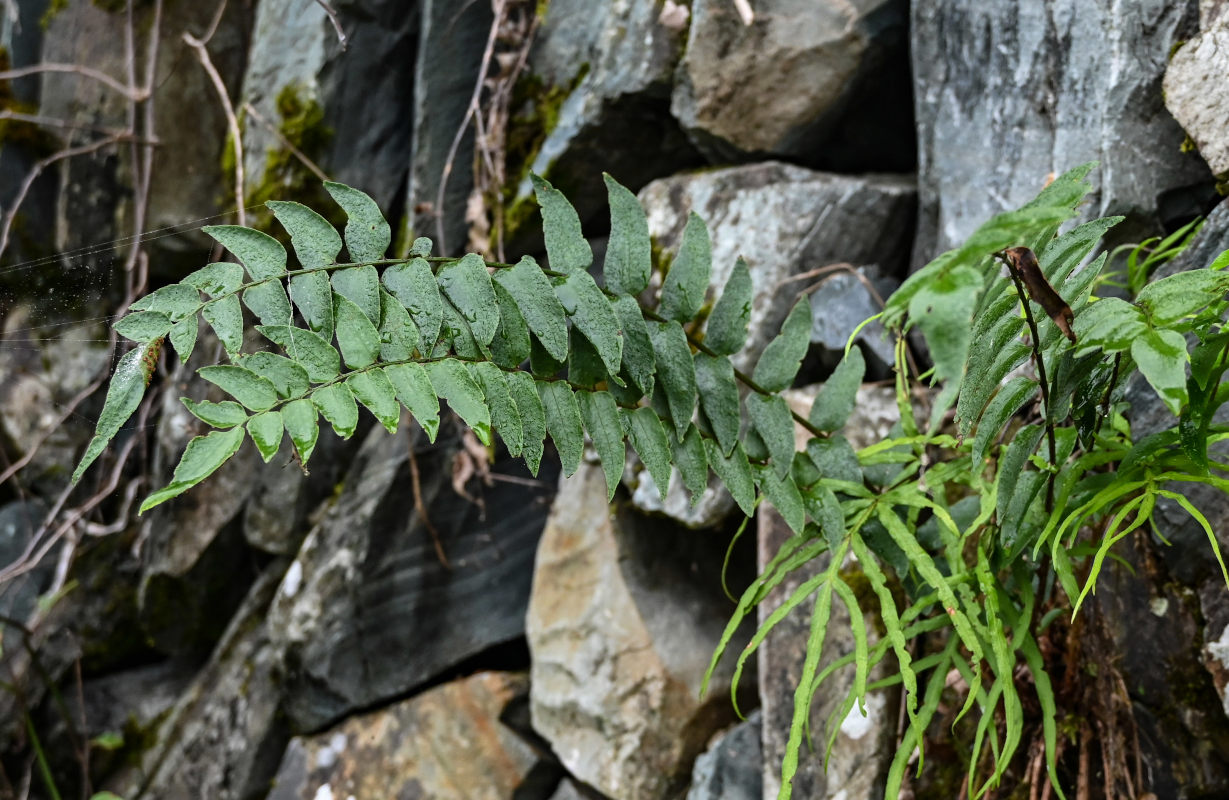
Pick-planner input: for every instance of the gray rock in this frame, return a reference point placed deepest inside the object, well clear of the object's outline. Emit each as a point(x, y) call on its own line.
point(367, 588)
point(19, 521)
point(451, 42)
point(825, 82)
point(844, 301)
point(446, 742)
point(732, 768)
point(1196, 94)
point(624, 615)
point(1009, 93)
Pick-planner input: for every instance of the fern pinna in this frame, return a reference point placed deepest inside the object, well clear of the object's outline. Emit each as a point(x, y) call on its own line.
point(950, 522)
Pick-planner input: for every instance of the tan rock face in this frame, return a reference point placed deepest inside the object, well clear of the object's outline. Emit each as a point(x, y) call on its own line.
point(1197, 92)
point(622, 619)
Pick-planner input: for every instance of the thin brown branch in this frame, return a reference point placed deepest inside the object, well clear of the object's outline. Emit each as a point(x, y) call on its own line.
point(232, 122)
point(332, 14)
point(135, 95)
point(250, 110)
point(72, 125)
point(420, 508)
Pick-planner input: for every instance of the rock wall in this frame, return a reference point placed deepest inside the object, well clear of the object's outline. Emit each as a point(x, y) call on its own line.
point(381, 628)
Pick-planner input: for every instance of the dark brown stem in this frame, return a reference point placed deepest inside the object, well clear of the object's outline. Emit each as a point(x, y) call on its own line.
point(421, 508)
point(1039, 358)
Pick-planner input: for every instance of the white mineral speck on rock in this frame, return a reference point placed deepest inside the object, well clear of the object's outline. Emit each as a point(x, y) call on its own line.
point(325, 792)
point(855, 726)
point(1159, 606)
point(293, 579)
point(1220, 651)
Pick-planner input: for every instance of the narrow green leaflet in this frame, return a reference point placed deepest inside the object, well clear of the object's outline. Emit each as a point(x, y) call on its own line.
point(414, 286)
point(781, 359)
point(628, 252)
point(336, 404)
point(535, 297)
point(457, 337)
point(541, 363)
point(1110, 323)
point(361, 286)
point(200, 458)
point(691, 462)
point(313, 295)
point(300, 419)
point(225, 316)
point(675, 371)
point(307, 349)
point(825, 509)
point(183, 338)
point(374, 390)
point(835, 459)
point(266, 432)
point(226, 414)
point(1010, 399)
point(414, 390)
point(735, 472)
point(505, 417)
point(263, 255)
point(268, 301)
point(468, 286)
point(784, 496)
point(315, 241)
point(1170, 299)
point(638, 361)
point(718, 397)
point(144, 326)
point(510, 347)
point(836, 398)
point(216, 279)
point(565, 244)
point(367, 232)
point(524, 392)
point(726, 332)
point(1161, 356)
point(682, 292)
point(452, 382)
point(592, 315)
point(177, 300)
point(585, 367)
point(563, 423)
point(421, 247)
point(287, 376)
point(247, 387)
point(398, 333)
point(771, 417)
point(357, 338)
point(601, 416)
point(649, 438)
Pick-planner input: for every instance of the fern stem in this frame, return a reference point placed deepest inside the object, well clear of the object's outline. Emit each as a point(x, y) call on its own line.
point(1039, 358)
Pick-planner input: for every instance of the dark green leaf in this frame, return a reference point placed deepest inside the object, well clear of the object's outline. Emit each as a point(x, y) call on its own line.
point(414, 390)
point(601, 416)
point(183, 338)
point(1110, 323)
point(504, 416)
point(422, 247)
point(682, 292)
point(1010, 399)
point(468, 286)
point(638, 360)
point(398, 333)
point(453, 383)
point(336, 404)
point(592, 314)
point(225, 316)
point(178, 301)
point(266, 432)
point(649, 438)
point(835, 459)
point(1170, 299)
point(313, 295)
point(144, 326)
point(263, 255)
point(691, 462)
point(825, 509)
point(1161, 356)
point(718, 397)
point(784, 496)
point(1012, 465)
point(535, 297)
point(524, 392)
point(287, 376)
point(253, 391)
point(783, 356)
point(268, 302)
point(373, 389)
point(726, 332)
point(357, 338)
point(565, 244)
point(628, 253)
point(456, 336)
point(563, 423)
point(315, 241)
point(299, 417)
point(367, 233)
point(510, 347)
point(585, 367)
point(772, 419)
point(414, 286)
point(361, 286)
point(735, 472)
point(676, 371)
point(308, 349)
point(837, 397)
point(216, 279)
point(541, 363)
point(226, 414)
point(201, 457)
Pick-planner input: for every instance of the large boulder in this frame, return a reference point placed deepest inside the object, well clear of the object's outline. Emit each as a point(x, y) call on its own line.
point(731, 768)
point(367, 589)
point(624, 615)
point(1008, 93)
point(823, 82)
point(1197, 94)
